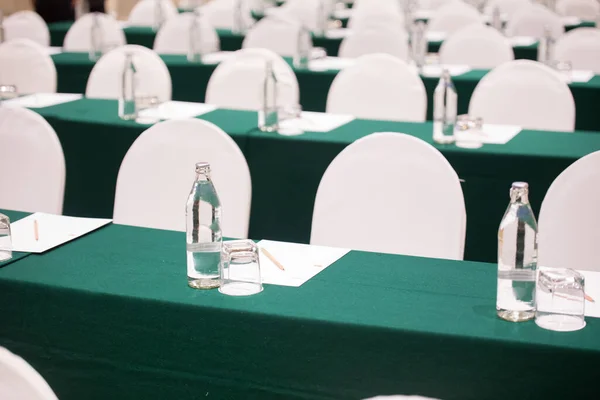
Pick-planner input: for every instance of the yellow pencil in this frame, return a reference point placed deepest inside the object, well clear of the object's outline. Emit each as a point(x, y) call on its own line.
point(36, 231)
point(273, 259)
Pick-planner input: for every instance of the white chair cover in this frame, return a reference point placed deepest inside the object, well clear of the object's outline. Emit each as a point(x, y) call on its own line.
point(220, 13)
point(532, 21)
point(401, 180)
point(153, 78)
point(378, 86)
point(449, 20)
point(247, 70)
point(581, 47)
point(370, 41)
point(478, 46)
point(28, 66)
point(158, 171)
point(383, 6)
point(524, 93)
point(174, 36)
point(584, 9)
point(79, 36)
point(276, 34)
point(376, 19)
point(20, 381)
point(27, 25)
point(569, 218)
point(305, 12)
point(508, 8)
point(32, 166)
point(144, 12)
point(454, 6)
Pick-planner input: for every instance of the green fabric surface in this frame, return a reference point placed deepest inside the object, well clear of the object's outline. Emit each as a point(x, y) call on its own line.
point(95, 140)
point(14, 216)
point(109, 315)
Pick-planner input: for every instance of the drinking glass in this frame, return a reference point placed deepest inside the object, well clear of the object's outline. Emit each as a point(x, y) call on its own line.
point(468, 131)
point(560, 300)
point(240, 268)
point(8, 92)
point(5, 238)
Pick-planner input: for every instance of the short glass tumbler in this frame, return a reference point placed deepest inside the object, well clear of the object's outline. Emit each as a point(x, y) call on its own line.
point(560, 300)
point(5, 238)
point(240, 268)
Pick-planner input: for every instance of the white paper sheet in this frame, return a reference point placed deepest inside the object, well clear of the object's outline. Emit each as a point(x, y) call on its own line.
point(491, 134)
point(570, 20)
point(176, 110)
point(315, 122)
point(433, 36)
point(436, 70)
point(343, 13)
point(423, 14)
point(330, 63)
point(301, 262)
point(53, 50)
point(53, 230)
point(216, 57)
point(522, 41)
point(40, 100)
point(338, 33)
point(579, 76)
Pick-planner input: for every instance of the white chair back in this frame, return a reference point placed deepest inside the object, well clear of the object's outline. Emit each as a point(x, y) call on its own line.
point(79, 36)
point(376, 19)
point(454, 6)
point(581, 47)
point(32, 166)
point(174, 36)
point(383, 6)
point(305, 12)
point(401, 180)
point(584, 9)
point(144, 12)
point(508, 8)
point(524, 93)
point(20, 381)
point(221, 13)
point(28, 66)
point(569, 218)
point(247, 70)
point(379, 86)
point(478, 46)
point(276, 34)
point(370, 41)
point(533, 20)
point(152, 75)
point(449, 20)
point(158, 171)
point(27, 25)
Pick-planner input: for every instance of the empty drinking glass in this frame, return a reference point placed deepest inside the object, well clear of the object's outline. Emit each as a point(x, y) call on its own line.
point(240, 268)
point(8, 92)
point(5, 239)
point(560, 300)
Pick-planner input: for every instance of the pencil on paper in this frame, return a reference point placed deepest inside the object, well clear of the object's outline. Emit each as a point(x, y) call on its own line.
point(273, 259)
point(589, 298)
point(36, 230)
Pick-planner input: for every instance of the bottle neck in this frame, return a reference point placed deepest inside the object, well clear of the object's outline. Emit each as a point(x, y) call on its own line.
point(519, 198)
point(202, 176)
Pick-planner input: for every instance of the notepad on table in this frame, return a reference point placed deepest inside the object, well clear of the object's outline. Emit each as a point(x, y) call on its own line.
point(315, 122)
point(40, 232)
point(41, 100)
point(176, 110)
point(330, 63)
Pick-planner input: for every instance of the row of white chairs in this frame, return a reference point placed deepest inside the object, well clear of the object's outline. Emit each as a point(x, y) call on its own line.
point(386, 220)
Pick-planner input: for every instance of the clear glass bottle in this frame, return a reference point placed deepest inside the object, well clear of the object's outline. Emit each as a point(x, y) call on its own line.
point(445, 103)
point(418, 44)
point(302, 56)
point(497, 19)
point(2, 33)
point(517, 258)
point(546, 47)
point(127, 106)
point(204, 238)
point(159, 15)
point(322, 18)
point(268, 116)
point(195, 39)
point(5, 238)
point(239, 25)
point(96, 38)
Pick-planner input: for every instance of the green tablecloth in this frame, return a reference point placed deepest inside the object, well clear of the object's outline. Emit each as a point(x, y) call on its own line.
point(190, 81)
point(286, 171)
point(110, 316)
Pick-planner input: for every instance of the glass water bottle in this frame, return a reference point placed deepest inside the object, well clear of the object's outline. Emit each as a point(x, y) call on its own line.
point(2, 34)
point(239, 25)
point(159, 15)
point(517, 258)
point(546, 47)
point(497, 19)
point(304, 47)
point(268, 116)
point(203, 227)
point(195, 39)
point(127, 106)
point(96, 38)
point(418, 44)
point(445, 106)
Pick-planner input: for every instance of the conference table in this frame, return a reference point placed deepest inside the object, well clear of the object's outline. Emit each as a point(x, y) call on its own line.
point(109, 316)
point(286, 170)
point(190, 80)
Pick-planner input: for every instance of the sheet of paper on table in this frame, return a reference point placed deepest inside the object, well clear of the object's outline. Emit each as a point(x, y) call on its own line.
point(343, 13)
point(176, 110)
point(41, 100)
point(53, 50)
point(52, 230)
point(338, 33)
point(216, 57)
point(491, 134)
point(434, 36)
point(579, 76)
point(570, 20)
point(330, 63)
point(316, 122)
point(522, 40)
point(436, 70)
point(592, 289)
point(301, 262)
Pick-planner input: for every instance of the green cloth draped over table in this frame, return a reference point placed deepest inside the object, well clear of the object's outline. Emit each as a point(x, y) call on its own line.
point(286, 171)
point(190, 82)
point(110, 316)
